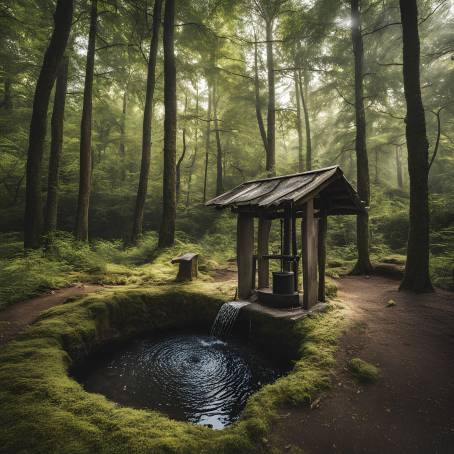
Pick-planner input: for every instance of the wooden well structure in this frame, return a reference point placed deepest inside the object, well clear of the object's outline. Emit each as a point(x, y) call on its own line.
point(310, 196)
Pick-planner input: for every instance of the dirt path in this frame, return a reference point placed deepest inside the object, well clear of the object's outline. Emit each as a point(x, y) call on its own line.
point(16, 317)
point(411, 407)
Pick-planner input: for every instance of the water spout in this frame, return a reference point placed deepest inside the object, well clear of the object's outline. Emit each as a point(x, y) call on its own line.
point(226, 317)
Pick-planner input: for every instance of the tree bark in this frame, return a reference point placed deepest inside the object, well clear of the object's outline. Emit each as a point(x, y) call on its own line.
point(416, 277)
point(196, 145)
point(258, 102)
point(363, 265)
point(207, 143)
point(307, 125)
point(51, 62)
point(7, 103)
point(219, 173)
point(178, 170)
point(83, 203)
point(183, 153)
point(377, 167)
point(299, 129)
point(122, 147)
point(400, 181)
point(271, 118)
point(57, 124)
point(146, 127)
point(167, 230)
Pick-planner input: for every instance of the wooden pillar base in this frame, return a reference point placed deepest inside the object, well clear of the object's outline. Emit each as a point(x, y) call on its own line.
point(262, 249)
point(309, 242)
point(322, 229)
point(245, 252)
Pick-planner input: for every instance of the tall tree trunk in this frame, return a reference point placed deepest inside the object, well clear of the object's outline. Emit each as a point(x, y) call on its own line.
point(271, 118)
point(122, 147)
point(7, 103)
point(183, 152)
point(363, 265)
point(167, 230)
point(307, 125)
point(400, 180)
point(377, 171)
point(219, 173)
point(299, 129)
point(57, 124)
point(178, 170)
point(207, 143)
point(146, 127)
point(196, 145)
point(83, 203)
point(51, 62)
point(258, 102)
point(416, 277)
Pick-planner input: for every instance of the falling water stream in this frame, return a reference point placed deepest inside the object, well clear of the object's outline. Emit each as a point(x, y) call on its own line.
point(226, 317)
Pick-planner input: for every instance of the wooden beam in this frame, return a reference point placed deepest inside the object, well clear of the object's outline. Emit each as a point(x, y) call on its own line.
point(322, 229)
point(287, 240)
point(294, 251)
point(263, 237)
point(309, 246)
point(244, 254)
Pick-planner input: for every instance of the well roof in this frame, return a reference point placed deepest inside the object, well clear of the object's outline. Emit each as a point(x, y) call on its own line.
point(328, 186)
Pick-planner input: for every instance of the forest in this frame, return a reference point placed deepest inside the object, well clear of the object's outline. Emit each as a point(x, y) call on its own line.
point(121, 119)
point(253, 89)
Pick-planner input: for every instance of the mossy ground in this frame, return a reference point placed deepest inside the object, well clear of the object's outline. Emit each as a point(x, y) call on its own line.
point(44, 410)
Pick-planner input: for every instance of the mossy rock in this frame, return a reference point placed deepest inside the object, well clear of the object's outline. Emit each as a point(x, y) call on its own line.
point(391, 303)
point(363, 371)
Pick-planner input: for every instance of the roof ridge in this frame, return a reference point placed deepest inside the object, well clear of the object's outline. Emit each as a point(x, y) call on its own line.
point(323, 169)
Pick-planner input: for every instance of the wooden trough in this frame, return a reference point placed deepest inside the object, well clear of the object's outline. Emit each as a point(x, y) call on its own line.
point(310, 196)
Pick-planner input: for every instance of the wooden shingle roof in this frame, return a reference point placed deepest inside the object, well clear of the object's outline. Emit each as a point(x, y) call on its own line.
point(328, 186)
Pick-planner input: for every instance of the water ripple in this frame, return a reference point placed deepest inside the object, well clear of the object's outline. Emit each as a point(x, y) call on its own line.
point(200, 379)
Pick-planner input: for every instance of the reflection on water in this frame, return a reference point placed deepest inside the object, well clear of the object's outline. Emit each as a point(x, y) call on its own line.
point(200, 379)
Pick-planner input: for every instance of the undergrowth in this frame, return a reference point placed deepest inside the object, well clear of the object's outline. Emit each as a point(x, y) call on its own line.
point(66, 261)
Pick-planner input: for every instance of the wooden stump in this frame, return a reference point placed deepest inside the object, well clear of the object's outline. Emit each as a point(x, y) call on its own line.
point(187, 266)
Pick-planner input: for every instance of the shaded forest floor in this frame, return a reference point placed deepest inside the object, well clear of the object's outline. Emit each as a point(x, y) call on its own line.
point(409, 408)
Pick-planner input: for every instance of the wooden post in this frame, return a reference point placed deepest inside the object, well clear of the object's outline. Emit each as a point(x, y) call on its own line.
point(244, 254)
point(309, 242)
point(287, 234)
point(262, 249)
point(322, 228)
point(294, 251)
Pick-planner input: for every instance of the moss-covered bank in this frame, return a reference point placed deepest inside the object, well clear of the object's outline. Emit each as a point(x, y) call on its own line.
point(43, 410)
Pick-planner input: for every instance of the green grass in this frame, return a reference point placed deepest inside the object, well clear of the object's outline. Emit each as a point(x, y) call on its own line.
point(26, 274)
point(44, 410)
point(363, 371)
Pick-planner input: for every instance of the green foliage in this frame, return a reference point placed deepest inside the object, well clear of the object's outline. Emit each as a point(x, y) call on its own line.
point(363, 371)
point(30, 274)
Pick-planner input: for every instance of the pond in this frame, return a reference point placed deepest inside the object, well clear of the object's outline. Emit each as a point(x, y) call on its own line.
point(189, 377)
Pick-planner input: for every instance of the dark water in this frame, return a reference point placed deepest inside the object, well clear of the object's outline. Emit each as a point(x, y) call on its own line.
point(194, 378)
